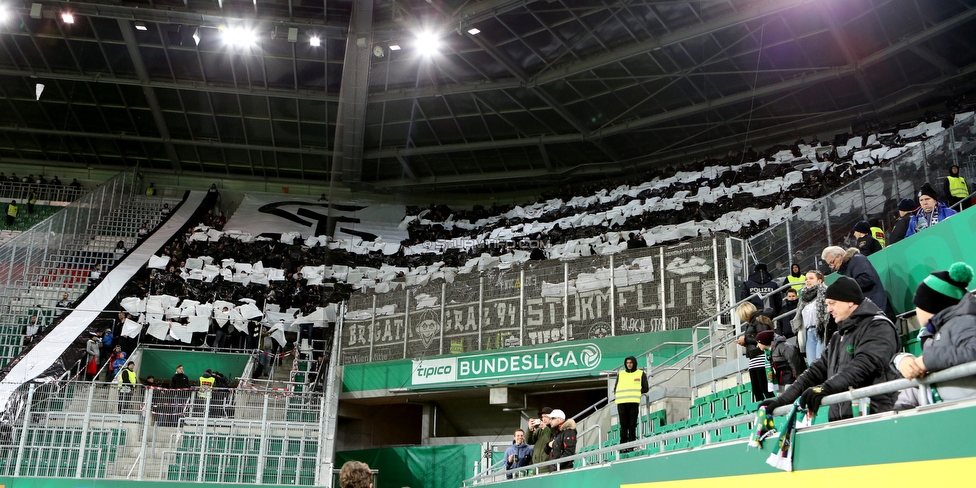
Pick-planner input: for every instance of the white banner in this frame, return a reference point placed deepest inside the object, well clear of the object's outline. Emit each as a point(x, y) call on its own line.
point(259, 214)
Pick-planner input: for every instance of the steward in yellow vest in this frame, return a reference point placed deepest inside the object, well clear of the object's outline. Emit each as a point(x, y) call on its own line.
point(206, 385)
point(631, 384)
point(955, 187)
point(11, 212)
point(796, 278)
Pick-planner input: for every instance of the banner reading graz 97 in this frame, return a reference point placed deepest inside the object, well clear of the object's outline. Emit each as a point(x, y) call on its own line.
point(655, 289)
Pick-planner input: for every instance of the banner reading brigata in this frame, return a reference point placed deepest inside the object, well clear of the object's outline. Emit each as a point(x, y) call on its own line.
point(524, 365)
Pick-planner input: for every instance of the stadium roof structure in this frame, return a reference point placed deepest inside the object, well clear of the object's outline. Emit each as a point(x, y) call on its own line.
point(515, 95)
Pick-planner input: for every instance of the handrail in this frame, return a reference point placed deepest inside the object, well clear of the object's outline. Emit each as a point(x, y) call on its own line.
point(711, 318)
point(592, 407)
point(955, 372)
point(958, 205)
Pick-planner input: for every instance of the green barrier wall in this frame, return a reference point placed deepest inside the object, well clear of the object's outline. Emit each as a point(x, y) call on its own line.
point(417, 467)
point(397, 374)
point(162, 363)
point(905, 264)
point(909, 450)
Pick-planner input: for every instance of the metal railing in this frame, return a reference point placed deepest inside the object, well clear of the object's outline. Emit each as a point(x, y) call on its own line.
point(955, 372)
point(51, 258)
point(244, 435)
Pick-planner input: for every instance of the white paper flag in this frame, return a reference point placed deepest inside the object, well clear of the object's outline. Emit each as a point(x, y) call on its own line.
point(131, 329)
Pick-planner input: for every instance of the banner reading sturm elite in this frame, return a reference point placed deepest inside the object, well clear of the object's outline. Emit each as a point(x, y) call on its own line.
point(525, 365)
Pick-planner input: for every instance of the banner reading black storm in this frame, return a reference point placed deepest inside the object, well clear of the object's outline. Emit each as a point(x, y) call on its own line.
point(661, 288)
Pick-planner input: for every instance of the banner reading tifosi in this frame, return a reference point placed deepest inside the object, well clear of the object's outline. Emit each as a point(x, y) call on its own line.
point(486, 368)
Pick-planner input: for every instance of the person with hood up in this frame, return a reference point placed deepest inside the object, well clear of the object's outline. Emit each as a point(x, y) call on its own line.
point(760, 281)
point(857, 356)
point(563, 443)
point(931, 211)
point(631, 385)
point(795, 278)
point(947, 313)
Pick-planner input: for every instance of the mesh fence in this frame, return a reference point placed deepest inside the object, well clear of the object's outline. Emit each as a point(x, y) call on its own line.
point(104, 430)
point(39, 265)
point(830, 221)
point(653, 289)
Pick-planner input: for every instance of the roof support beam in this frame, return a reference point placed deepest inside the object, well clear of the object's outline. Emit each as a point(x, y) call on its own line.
point(770, 135)
point(184, 86)
point(158, 140)
point(130, 43)
point(347, 162)
point(798, 82)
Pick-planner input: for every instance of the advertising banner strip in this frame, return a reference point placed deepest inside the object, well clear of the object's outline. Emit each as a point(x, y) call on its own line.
point(491, 367)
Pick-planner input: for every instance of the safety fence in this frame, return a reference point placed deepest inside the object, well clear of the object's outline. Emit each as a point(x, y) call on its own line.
point(631, 292)
point(829, 221)
point(52, 255)
point(200, 434)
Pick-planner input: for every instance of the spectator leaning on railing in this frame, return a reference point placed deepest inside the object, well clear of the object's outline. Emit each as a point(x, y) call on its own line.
point(947, 314)
point(857, 355)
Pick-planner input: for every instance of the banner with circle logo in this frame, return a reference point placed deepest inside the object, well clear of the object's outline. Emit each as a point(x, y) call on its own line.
point(525, 365)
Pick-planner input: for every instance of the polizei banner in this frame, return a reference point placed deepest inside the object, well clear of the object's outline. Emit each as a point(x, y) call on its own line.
point(521, 365)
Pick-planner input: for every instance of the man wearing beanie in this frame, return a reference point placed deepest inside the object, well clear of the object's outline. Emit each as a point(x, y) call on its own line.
point(856, 356)
point(931, 211)
point(906, 207)
point(866, 243)
point(947, 313)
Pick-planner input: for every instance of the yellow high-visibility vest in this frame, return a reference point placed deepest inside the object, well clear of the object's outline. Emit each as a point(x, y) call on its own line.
point(957, 186)
point(628, 387)
point(878, 235)
point(797, 281)
point(12, 210)
point(206, 387)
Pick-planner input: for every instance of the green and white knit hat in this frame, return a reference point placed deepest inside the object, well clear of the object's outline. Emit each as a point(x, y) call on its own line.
point(943, 289)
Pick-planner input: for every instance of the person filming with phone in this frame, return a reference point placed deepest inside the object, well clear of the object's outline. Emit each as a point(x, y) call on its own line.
point(539, 435)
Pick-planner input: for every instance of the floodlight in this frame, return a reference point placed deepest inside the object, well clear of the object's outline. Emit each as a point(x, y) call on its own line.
point(315, 41)
point(238, 36)
point(474, 31)
point(196, 36)
point(427, 43)
point(394, 47)
point(67, 18)
point(141, 26)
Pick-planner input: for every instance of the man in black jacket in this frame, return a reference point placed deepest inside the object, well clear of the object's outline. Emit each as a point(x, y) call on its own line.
point(906, 207)
point(563, 441)
point(857, 355)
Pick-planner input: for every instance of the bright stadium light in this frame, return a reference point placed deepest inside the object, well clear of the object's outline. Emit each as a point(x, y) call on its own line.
point(427, 43)
point(315, 41)
point(238, 37)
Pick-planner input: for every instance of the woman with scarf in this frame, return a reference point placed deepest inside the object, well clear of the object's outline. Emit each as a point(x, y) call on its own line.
point(812, 321)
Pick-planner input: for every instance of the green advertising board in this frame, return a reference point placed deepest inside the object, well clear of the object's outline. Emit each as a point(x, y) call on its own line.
point(905, 264)
point(575, 359)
